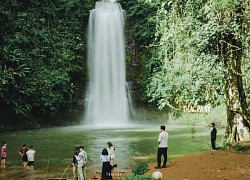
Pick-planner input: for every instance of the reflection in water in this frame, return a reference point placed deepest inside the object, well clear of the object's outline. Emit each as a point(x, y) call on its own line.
point(132, 145)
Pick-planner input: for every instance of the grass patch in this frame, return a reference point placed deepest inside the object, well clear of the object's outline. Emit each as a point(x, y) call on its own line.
point(238, 147)
point(139, 171)
point(139, 177)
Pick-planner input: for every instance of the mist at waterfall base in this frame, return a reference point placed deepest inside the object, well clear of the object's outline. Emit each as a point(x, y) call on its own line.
point(107, 102)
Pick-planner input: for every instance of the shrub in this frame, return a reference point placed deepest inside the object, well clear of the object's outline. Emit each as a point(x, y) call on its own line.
point(140, 169)
point(239, 147)
point(139, 177)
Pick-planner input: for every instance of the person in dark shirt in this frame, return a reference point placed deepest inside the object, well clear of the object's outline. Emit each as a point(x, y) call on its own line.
point(22, 152)
point(213, 131)
point(74, 163)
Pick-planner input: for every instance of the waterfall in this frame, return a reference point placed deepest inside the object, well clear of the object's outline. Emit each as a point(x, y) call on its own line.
point(107, 104)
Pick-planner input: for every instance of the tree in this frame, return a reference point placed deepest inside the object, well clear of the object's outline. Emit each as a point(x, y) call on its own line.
point(234, 53)
point(201, 51)
point(42, 55)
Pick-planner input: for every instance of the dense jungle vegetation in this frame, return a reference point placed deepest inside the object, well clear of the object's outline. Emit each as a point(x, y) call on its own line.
point(179, 54)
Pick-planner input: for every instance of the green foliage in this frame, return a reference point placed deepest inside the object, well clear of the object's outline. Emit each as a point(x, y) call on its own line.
point(42, 54)
point(51, 90)
point(239, 147)
point(140, 30)
point(140, 169)
point(12, 75)
point(188, 65)
point(141, 15)
point(177, 52)
point(139, 177)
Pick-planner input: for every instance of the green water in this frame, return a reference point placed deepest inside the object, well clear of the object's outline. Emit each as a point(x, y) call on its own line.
point(56, 145)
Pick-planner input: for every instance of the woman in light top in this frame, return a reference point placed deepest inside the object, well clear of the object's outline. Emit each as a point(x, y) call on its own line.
point(106, 167)
point(111, 152)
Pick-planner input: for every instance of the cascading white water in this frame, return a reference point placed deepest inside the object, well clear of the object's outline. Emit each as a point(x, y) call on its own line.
point(107, 100)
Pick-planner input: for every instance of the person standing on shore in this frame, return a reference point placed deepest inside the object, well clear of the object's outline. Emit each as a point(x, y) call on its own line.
point(81, 162)
point(162, 148)
point(105, 158)
point(74, 163)
point(213, 132)
point(111, 152)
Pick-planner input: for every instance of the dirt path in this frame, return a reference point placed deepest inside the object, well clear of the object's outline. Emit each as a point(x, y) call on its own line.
point(212, 165)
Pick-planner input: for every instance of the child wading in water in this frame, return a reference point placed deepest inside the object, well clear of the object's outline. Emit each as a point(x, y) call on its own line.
point(3, 155)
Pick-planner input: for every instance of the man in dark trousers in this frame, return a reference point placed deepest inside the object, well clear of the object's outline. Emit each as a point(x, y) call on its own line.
point(74, 163)
point(213, 131)
point(162, 148)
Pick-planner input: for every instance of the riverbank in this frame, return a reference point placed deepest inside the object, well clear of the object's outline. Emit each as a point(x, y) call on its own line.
point(216, 165)
point(53, 173)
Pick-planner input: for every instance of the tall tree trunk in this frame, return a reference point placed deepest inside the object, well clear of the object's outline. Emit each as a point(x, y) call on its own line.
point(237, 114)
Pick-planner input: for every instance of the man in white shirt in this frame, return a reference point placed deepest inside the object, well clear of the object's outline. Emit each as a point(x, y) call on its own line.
point(31, 157)
point(162, 148)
